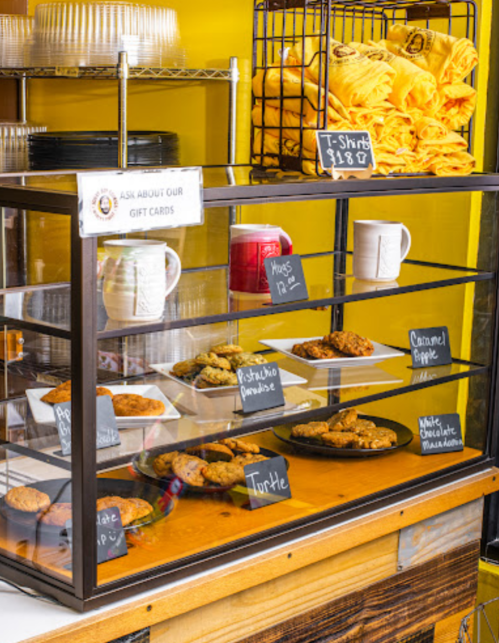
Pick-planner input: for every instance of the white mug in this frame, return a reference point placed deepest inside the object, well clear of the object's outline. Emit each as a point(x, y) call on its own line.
point(136, 280)
point(379, 247)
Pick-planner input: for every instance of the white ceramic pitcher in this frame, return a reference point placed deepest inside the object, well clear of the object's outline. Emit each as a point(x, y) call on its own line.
point(136, 280)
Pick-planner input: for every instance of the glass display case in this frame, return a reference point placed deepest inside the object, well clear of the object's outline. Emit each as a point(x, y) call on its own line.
point(174, 473)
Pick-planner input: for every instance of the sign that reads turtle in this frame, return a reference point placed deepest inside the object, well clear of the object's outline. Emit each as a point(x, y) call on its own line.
point(440, 433)
point(345, 150)
point(430, 347)
point(133, 200)
point(260, 387)
point(267, 482)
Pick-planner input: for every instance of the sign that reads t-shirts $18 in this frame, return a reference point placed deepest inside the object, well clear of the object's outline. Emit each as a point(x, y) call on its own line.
point(346, 150)
point(120, 202)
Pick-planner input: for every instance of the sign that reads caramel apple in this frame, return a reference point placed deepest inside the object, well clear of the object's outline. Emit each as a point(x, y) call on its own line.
point(352, 151)
point(260, 387)
point(134, 200)
point(430, 347)
point(440, 433)
point(267, 482)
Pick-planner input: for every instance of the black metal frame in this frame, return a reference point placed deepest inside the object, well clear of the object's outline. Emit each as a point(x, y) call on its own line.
point(85, 594)
point(282, 24)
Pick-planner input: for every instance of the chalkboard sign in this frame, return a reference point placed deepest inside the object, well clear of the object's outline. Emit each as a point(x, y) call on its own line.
point(267, 482)
point(111, 541)
point(430, 346)
point(260, 387)
point(440, 433)
point(345, 150)
point(286, 279)
point(107, 430)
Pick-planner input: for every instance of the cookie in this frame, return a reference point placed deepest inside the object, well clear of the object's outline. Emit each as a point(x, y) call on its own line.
point(340, 439)
point(350, 343)
point(62, 393)
point(188, 368)
point(299, 350)
point(217, 377)
point(310, 430)
point(57, 514)
point(142, 508)
point(321, 350)
point(127, 508)
point(361, 426)
point(27, 499)
point(381, 432)
point(188, 468)
point(211, 452)
point(162, 464)
point(372, 441)
point(248, 458)
point(240, 446)
point(225, 474)
point(128, 404)
point(246, 359)
point(212, 359)
point(226, 350)
point(342, 420)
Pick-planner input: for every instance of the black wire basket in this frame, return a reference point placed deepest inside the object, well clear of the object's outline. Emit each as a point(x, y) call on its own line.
point(280, 25)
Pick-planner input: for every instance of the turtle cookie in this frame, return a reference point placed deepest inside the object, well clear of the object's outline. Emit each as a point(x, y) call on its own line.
point(127, 508)
point(343, 420)
point(136, 405)
point(246, 359)
point(350, 343)
point(27, 499)
point(211, 452)
point(217, 377)
point(57, 514)
point(188, 468)
point(214, 360)
point(227, 350)
point(142, 508)
point(162, 464)
point(188, 368)
point(225, 474)
point(310, 430)
point(248, 458)
point(340, 439)
point(240, 446)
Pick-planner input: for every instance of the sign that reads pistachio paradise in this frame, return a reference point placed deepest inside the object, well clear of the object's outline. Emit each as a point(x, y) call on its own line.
point(133, 200)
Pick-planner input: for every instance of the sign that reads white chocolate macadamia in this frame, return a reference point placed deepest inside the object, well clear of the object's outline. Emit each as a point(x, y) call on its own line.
point(130, 201)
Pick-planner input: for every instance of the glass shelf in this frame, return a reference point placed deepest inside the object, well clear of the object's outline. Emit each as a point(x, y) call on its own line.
point(202, 297)
point(210, 417)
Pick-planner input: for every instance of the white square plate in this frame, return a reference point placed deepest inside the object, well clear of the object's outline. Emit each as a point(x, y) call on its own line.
point(285, 346)
point(287, 379)
point(43, 413)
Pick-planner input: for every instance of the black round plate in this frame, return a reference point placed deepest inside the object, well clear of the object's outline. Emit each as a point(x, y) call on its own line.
point(404, 437)
point(142, 463)
point(60, 491)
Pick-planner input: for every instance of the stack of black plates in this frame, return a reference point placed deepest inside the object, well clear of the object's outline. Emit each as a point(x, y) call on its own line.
point(83, 150)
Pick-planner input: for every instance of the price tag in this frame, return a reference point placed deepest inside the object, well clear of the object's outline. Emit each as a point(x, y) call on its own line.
point(111, 541)
point(345, 150)
point(107, 429)
point(430, 347)
point(267, 482)
point(286, 279)
point(440, 434)
point(129, 201)
point(260, 387)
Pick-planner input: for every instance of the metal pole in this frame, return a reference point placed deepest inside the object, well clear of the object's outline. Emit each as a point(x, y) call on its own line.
point(123, 71)
point(234, 80)
point(23, 99)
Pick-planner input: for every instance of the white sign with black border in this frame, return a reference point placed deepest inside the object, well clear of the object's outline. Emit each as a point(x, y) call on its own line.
point(135, 200)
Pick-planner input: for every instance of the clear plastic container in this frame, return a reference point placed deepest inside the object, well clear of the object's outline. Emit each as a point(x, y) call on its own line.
point(14, 145)
point(14, 32)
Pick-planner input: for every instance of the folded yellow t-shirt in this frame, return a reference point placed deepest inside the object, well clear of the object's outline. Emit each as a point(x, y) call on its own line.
point(429, 129)
point(412, 87)
point(451, 144)
point(353, 78)
point(448, 58)
point(457, 164)
point(457, 102)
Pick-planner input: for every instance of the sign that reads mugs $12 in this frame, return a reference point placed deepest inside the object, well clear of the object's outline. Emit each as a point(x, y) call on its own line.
point(133, 200)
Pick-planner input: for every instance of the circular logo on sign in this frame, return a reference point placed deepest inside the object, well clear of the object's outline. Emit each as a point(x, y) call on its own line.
point(104, 204)
point(416, 43)
point(342, 51)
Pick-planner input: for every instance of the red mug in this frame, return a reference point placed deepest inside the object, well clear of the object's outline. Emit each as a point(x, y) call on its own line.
point(250, 245)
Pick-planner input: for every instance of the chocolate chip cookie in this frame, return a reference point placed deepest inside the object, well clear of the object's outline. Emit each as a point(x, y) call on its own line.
point(211, 452)
point(127, 508)
point(128, 404)
point(57, 514)
point(240, 446)
point(142, 508)
point(225, 474)
point(162, 464)
point(27, 499)
point(189, 469)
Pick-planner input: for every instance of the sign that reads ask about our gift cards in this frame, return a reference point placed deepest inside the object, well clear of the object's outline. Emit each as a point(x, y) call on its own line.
point(128, 201)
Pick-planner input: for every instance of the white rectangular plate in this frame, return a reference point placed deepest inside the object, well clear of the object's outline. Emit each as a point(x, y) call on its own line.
point(284, 346)
point(43, 413)
point(287, 379)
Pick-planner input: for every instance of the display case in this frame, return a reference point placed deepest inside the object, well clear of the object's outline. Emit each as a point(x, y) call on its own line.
point(62, 332)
